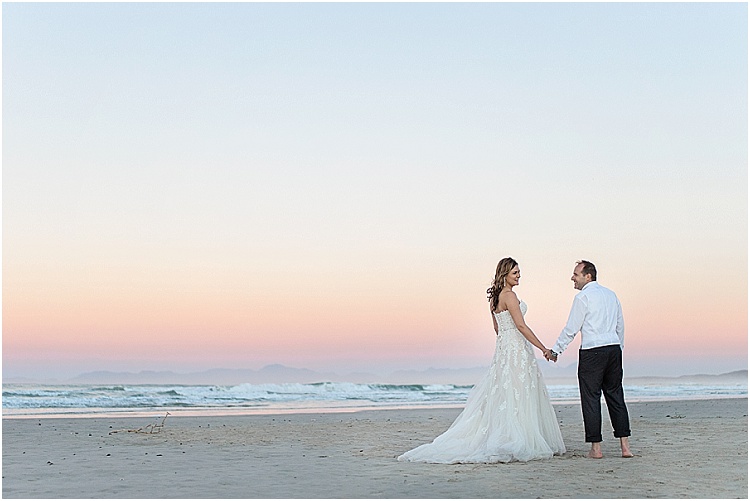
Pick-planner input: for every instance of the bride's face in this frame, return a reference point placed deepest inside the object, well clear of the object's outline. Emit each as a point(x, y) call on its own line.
point(513, 277)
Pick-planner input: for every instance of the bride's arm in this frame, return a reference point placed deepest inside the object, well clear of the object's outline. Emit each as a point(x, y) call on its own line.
point(514, 307)
point(494, 320)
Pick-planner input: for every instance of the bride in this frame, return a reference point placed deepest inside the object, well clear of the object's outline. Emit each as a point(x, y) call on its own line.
point(508, 414)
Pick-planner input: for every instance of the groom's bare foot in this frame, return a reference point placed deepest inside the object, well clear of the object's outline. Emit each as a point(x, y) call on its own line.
point(625, 447)
point(596, 451)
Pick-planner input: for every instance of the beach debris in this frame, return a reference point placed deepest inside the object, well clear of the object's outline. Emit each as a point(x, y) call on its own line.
point(148, 429)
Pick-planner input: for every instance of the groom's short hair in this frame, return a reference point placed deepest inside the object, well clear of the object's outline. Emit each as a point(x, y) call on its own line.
point(588, 269)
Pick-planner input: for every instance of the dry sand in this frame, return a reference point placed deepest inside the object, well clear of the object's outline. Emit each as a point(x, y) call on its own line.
point(684, 449)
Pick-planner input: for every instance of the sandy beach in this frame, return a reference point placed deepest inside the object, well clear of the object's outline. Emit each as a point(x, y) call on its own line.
point(684, 449)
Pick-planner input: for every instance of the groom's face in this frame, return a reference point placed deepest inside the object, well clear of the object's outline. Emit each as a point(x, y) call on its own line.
point(578, 278)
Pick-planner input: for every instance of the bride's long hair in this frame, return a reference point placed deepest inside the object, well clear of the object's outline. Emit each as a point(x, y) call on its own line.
point(503, 268)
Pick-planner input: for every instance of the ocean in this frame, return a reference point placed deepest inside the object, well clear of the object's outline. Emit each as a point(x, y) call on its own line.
point(33, 400)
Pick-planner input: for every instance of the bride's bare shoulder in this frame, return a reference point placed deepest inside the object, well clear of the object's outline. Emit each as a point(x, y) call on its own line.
point(506, 299)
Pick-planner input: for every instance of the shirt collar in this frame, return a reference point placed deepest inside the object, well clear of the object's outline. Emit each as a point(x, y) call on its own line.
point(585, 286)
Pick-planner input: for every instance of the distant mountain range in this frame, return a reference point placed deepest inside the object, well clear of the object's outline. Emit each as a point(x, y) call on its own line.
point(277, 373)
point(727, 377)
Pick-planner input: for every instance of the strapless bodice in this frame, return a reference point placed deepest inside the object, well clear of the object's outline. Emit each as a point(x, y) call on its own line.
point(505, 321)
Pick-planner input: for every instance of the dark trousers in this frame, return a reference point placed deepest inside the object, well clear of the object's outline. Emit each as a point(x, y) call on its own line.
point(600, 370)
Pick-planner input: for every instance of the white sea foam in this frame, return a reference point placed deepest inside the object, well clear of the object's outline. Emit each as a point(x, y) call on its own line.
point(26, 399)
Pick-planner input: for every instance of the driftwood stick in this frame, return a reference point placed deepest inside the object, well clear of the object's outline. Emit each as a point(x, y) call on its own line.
point(148, 429)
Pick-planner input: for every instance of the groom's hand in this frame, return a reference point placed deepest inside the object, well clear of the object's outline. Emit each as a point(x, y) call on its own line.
point(550, 355)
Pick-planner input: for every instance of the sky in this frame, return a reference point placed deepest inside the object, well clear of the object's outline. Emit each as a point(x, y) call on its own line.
point(330, 186)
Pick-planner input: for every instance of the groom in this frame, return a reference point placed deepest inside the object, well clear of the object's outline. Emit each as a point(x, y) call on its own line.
point(597, 314)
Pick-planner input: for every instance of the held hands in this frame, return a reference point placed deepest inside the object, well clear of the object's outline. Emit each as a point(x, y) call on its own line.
point(550, 355)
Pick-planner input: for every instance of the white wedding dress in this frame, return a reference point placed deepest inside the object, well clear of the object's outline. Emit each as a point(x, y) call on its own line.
point(508, 414)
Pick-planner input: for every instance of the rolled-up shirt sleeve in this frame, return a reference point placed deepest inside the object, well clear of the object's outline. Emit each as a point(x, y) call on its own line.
point(574, 325)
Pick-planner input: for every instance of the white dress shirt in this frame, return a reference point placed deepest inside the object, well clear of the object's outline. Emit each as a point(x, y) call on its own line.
point(597, 314)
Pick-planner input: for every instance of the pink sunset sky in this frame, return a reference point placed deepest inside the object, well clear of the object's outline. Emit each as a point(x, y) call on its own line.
point(330, 186)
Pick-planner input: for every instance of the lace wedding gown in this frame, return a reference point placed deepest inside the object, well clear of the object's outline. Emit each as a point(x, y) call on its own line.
point(508, 414)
